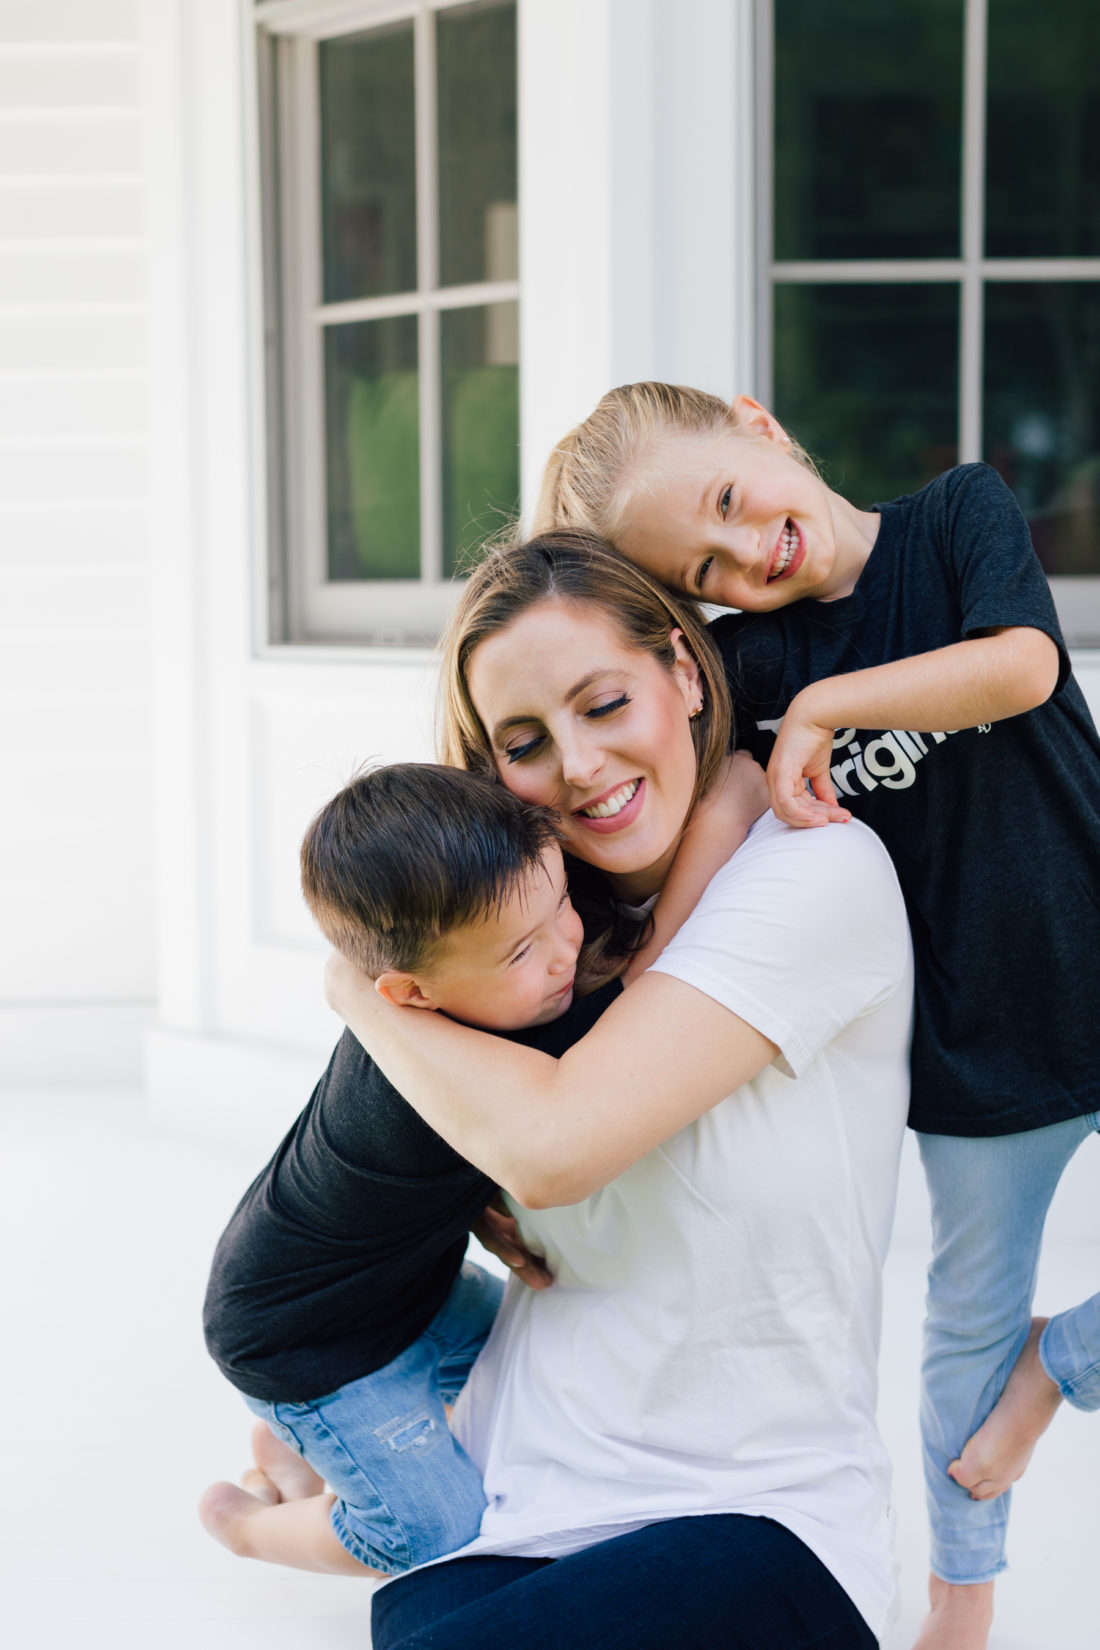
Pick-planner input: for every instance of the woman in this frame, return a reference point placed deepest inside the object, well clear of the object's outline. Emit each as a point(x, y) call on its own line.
point(678, 1438)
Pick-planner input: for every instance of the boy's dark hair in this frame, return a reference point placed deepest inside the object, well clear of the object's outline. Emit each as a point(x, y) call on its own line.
point(404, 854)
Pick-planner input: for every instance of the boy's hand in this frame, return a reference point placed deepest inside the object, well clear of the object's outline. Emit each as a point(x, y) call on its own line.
point(803, 751)
point(498, 1232)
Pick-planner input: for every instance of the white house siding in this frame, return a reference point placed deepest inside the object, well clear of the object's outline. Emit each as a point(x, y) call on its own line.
point(76, 852)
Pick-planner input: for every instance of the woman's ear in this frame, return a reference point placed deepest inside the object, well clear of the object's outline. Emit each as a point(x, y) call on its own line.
point(402, 989)
point(753, 419)
point(687, 672)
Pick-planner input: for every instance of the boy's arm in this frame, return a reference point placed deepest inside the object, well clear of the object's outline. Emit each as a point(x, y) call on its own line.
point(717, 828)
point(984, 679)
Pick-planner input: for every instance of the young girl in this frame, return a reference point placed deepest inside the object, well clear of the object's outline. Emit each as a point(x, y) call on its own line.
point(906, 661)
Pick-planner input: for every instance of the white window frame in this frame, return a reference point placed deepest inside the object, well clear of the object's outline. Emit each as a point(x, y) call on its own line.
point(306, 605)
point(1077, 599)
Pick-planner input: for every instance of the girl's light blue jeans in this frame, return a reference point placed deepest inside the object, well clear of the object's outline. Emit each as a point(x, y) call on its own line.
point(990, 1198)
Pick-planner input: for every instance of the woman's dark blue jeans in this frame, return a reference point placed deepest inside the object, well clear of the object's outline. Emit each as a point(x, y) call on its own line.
point(720, 1582)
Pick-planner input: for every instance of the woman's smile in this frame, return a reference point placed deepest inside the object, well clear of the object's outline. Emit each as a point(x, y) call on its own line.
point(582, 721)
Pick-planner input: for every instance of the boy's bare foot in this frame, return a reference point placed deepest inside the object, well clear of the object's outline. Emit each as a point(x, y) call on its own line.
point(1001, 1448)
point(224, 1511)
point(292, 1478)
point(959, 1617)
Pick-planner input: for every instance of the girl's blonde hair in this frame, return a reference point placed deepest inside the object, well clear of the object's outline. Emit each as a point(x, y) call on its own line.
point(597, 472)
point(582, 570)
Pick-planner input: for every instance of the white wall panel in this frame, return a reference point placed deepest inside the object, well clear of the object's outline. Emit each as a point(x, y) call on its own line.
point(75, 79)
point(65, 22)
point(57, 534)
point(66, 404)
point(96, 925)
point(73, 145)
point(107, 725)
point(38, 468)
point(101, 600)
point(75, 273)
point(79, 663)
point(101, 338)
point(42, 208)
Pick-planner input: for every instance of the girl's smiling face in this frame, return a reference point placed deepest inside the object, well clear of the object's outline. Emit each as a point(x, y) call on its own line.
point(580, 721)
point(734, 519)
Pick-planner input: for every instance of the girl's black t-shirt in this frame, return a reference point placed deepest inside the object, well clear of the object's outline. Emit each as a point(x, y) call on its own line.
point(994, 830)
point(347, 1244)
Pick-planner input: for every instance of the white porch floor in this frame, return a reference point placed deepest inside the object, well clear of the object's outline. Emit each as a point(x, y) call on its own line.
point(117, 1420)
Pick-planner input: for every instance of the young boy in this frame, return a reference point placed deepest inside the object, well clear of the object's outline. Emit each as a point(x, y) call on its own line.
point(339, 1304)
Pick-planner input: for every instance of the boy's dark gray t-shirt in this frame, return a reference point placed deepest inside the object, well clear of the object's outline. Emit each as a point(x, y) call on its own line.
point(994, 830)
point(347, 1244)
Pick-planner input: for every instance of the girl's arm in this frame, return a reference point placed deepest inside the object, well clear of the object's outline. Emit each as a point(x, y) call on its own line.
point(983, 679)
point(717, 828)
point(554, 1131)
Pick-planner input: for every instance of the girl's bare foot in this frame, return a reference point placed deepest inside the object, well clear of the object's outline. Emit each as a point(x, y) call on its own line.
point(1001, 1448)
point(959, 1617)
point(293, 1478)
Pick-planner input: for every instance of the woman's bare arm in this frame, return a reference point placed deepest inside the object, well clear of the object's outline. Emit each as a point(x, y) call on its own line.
point(554, 1131)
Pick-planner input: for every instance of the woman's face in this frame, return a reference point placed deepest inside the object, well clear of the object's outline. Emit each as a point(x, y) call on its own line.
point(581, 721)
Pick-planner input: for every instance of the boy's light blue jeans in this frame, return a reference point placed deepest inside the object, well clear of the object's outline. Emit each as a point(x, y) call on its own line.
point(407, 1490)
point(990, 1198)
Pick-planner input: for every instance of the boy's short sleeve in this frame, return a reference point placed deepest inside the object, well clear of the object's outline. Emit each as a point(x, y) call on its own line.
point(801, 933)
point(1000, 580)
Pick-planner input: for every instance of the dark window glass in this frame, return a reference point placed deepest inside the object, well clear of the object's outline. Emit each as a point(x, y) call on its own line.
point(476, 66)
point(1043, 137)
point(868, 113)
point(480, 356)
point(1042, 412)
point(866, 378)
point(372, 446)
point(368, 164)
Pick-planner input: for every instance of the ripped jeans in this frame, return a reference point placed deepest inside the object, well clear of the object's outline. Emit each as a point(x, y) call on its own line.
point(990, 1197)
point(406, 1490)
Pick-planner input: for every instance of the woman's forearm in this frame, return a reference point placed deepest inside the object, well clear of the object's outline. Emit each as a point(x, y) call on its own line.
point(554, 1131)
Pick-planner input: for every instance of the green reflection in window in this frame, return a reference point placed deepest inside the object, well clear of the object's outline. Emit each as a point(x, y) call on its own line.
point(476, 67)
point(1043, 137)
point(868, 122)
point(1042, 412)
point(480, 355)
point(368, 164)
point(866, 379)
point(372, 446)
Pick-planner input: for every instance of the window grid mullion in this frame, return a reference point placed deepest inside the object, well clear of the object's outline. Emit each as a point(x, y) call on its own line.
point(972, 234)
point(427, 219)
point(765, 199)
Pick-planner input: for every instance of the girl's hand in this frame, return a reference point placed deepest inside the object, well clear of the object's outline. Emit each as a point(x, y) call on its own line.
point(498, 1232)
point(803, 751)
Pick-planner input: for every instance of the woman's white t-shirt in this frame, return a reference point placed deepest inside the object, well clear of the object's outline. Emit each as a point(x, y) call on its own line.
point(710, 1341)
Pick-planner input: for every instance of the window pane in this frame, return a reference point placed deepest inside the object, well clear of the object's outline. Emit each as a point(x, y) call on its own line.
point(372, 450)
point(1043, 141)
point(868, 109)
point(476, 55)
point(368, 164)
point(1042, 413)
point(480, 356)
point(866, 378)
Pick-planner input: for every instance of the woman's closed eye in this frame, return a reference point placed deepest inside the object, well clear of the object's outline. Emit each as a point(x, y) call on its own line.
point(612, 705)
point(516, 753)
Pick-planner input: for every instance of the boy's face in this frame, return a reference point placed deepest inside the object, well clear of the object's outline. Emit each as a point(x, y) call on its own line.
point(515, 967)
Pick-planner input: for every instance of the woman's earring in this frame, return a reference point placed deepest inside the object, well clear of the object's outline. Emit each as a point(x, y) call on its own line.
point(693, 715)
